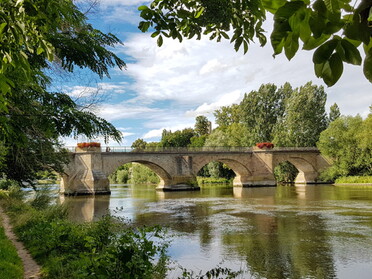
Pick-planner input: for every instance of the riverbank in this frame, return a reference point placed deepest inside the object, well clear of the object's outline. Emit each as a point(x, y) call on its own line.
point(15, 261)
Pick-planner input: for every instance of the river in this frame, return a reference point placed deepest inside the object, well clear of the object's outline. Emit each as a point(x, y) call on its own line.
point(313, 231)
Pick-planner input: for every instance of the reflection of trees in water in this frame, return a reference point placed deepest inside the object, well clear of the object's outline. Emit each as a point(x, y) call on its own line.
point(287, 245)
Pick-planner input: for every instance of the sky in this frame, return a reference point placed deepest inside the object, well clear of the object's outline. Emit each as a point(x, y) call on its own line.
point(167, 87)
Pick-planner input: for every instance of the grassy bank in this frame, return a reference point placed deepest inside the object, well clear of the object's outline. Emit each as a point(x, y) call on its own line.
point(108, 248)
point(10, 263)
point(354, 180)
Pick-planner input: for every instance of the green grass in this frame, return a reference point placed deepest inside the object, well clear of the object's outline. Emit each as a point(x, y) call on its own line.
point(211, 180)
point(10, 263)
point(353, 179)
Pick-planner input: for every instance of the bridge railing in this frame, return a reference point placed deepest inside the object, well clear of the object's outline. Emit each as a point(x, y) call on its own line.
point(193, 149)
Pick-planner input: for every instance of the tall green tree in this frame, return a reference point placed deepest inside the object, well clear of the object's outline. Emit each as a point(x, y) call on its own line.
point(202, 125)
point(304, 119)
point(261, 110)
point(227, 115)
point(348, 144)
point(333, 28)
point(334, 112)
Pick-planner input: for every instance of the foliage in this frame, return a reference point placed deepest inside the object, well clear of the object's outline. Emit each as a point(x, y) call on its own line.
point(227, 115)
point(333, 28)
point(177, 138)
point(262, 109)
point(211, 180)
point(134, 173)
point(202, 126)
point(106, 248)
point(216, 170)
point(285, 172)
point(304, 118)
point(34, 33)
point(139, 144)
point(334, 112)
point(218, 272)
point(236, 134)
point(353, 179)
point(142, 174)
point(10, 263)
point(198, 141)
point(347, 144)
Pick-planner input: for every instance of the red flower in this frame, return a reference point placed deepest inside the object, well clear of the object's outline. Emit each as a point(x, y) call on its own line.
point(268, 145)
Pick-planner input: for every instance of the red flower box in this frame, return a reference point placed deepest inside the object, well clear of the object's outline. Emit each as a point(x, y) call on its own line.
point(267, 145)
point(88, 144)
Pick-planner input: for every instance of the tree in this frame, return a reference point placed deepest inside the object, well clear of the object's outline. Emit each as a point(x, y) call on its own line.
point(227, 115)
point(202, 125)
point(139, 144)
point(334, 29)
point(34, 33)
point(334, 112)
point(177, 139)
point(304, 118)
point(261, 110)
point(344, 142)
point(236, 134)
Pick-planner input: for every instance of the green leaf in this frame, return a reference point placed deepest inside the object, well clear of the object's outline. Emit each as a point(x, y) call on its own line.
point(367, 66)
point(153, 35)
point(40, 50)
point(273, 5)
point(199, 13)
point(2, 26)
point(143, 7)
point(352, 54)
point(315, 42)
point(331, 70)
point(160, 41)
point(332, 5)
point(238, 43)
point(324, 52)
point(291, 46)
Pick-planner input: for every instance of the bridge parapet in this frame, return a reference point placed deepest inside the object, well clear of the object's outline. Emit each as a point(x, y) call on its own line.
point(207, 149)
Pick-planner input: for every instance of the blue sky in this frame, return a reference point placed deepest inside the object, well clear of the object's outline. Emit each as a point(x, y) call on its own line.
point(167, 87)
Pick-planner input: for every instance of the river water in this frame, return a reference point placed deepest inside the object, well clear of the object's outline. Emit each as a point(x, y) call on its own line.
point(313, 231)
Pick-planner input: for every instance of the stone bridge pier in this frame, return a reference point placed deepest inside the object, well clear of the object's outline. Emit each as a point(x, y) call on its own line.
point(89, 168)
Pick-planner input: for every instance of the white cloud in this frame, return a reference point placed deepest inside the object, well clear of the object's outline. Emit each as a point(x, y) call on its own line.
point(102, 87)
point(112, 112)
point(201, 75)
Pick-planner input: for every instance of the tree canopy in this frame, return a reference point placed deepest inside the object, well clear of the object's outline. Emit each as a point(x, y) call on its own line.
point(34, 34)
point(334, 29)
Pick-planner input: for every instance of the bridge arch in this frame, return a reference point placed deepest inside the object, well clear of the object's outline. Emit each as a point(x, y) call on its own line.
point(307, 172)
point(241, 171)
point(164, 176)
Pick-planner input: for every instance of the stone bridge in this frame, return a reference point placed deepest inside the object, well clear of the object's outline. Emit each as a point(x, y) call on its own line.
point(177, 168)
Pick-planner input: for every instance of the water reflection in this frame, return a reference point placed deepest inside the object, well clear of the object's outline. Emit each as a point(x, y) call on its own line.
point(87, 208)
point(274, 232)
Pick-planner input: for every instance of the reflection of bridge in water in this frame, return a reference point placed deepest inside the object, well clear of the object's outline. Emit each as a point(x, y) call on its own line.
point(177, 168)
